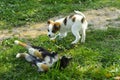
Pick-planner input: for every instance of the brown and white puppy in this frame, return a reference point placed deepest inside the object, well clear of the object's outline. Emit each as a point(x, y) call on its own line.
point(74, 23)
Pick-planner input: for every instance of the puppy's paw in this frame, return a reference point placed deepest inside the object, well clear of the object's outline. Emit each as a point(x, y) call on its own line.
point(82, 41)
point(74, 42)
point(18, 55)
point(52, 38)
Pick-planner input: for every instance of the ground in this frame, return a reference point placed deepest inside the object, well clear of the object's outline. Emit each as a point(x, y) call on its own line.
point(97, 19)
point(97, 59)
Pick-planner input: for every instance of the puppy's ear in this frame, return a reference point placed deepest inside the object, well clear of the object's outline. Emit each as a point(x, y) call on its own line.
point(56, 26)
point(49, 21)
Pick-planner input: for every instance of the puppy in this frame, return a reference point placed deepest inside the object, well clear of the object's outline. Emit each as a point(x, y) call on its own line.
point(74, 23)
point(41, 64)
point(40, 53)
point(42, 58)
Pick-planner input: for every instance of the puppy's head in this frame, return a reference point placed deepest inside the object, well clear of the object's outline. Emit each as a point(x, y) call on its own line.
point(64, 61)
point(53, 27)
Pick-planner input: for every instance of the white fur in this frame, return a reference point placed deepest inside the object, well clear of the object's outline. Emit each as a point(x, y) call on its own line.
point(16, 42)
point(31, 51)
point(49, 62)
point(26, 56)
point(18, 55)
point(39, 64)
point(76, 27)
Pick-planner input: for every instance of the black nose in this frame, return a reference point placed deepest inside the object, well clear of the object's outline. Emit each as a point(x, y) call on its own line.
point(49, 35)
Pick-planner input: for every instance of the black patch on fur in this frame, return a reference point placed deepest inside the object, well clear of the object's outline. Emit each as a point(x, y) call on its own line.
point(73, 19)
point(65, 21)
point(71, 16)
point(45, 52)
point(55, 28)
point(35, 59)
point(82, 20)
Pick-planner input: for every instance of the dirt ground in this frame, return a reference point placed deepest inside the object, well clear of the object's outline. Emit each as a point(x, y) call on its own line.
point(97, 19)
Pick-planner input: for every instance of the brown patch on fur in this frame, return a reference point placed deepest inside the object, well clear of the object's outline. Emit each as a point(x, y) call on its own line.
point(38, 54)
point(65, 21)
point(22, 55)
point(50, 22)
point(44, 67)
point(22, 44)
point(56, 27)
point(73, 19)
point(82, 20)
point(71, 16)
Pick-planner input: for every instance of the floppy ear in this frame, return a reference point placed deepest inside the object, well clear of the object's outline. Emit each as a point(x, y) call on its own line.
point(57, 26)
point(49, 21)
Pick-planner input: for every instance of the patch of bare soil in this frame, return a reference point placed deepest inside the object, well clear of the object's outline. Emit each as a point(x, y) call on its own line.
point(103, 18)
point(97, 19)
point(29, 31)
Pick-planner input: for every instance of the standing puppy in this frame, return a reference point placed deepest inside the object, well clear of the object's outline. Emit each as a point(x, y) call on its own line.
point(74, 23)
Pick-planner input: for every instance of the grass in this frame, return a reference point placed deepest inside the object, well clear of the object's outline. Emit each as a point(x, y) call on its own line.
point(18, 13)
point(97, 59)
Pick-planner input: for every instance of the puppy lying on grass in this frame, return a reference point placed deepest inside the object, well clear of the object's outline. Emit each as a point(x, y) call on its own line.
point(42, 58)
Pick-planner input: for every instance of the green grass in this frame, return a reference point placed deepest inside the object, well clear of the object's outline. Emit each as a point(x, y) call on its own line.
point(15, 13)
point(97, 59)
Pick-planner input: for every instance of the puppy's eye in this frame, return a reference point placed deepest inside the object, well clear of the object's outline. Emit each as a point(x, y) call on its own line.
point(48, 30)
point(53, 31)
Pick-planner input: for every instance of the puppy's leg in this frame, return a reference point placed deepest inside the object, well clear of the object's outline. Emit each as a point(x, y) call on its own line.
point(83, 35)
point(35, 53)
point(65, 34)
point(26, 56)
point(42, 67)
point(62, 35)
point(75, 31)
point(54, 37)
point(84, 27)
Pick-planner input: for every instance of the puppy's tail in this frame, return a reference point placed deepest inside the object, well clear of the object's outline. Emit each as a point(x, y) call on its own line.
point(78, 12)
point(22, 44)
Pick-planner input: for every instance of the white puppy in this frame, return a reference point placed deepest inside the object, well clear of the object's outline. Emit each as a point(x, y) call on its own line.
point(74, 23)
